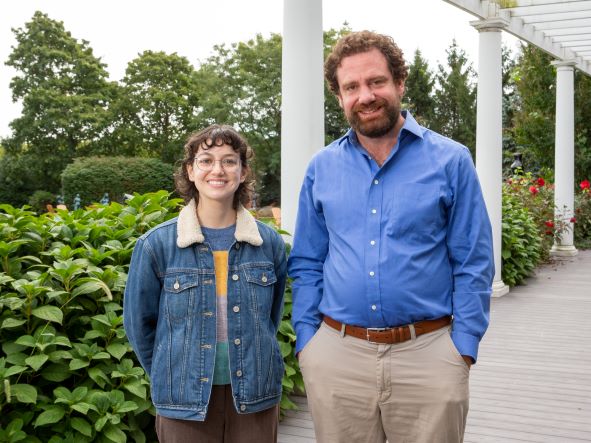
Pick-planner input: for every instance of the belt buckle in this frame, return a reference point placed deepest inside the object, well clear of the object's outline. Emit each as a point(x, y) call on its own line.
point(375, 330)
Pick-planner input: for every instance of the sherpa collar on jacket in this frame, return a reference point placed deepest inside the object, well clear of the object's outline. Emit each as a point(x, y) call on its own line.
point(189, 230)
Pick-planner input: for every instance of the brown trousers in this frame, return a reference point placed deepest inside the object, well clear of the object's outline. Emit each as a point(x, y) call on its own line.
point(361, 392)
point(222, 424)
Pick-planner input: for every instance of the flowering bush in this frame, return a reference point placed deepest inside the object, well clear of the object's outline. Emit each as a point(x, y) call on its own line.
point(522, 245)
point(537, 197)
point(583, 215)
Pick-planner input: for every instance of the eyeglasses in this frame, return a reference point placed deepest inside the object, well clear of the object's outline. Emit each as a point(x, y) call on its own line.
point(206, 164)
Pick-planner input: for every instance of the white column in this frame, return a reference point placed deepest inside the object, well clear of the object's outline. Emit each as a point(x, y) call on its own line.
point(489, 132)
point(564, 151)
point(302, 108)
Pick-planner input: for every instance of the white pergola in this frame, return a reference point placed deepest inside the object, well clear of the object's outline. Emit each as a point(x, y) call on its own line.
point(562, 28)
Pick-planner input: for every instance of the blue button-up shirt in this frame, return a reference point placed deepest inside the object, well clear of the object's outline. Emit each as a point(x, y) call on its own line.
point(392, 245)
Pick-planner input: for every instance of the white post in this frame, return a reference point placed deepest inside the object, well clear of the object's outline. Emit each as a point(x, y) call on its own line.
point(302, 110)
point(489, 132)
point(564, 151)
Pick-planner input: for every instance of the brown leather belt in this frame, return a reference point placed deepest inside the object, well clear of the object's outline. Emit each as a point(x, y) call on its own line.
point(389, 335)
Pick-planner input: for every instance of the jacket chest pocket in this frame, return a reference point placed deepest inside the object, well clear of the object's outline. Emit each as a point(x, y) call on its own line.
point(181, 295)
point(260, 281)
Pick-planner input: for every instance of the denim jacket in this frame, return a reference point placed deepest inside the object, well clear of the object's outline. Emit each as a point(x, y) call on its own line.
point(169, 313)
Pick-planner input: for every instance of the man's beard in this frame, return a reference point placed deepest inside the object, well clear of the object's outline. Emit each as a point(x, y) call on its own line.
point(378, 127)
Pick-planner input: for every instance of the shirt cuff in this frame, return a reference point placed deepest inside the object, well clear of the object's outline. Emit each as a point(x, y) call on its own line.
point(303, 335)
point(466, 344)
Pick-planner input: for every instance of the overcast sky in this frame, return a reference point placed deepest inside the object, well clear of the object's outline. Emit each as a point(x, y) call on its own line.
point(118, 30)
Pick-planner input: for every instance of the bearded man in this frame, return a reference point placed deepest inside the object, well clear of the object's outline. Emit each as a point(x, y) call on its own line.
point(392, 264)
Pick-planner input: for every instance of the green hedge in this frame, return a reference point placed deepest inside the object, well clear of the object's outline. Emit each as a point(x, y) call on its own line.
point(91, 177)
point(67, 372)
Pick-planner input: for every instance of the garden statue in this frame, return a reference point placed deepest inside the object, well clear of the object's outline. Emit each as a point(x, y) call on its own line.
point(105, 199)
point(59, 199)
point(77, 202)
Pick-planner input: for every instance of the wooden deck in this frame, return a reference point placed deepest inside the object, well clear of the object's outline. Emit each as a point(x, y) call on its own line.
point(532, 382)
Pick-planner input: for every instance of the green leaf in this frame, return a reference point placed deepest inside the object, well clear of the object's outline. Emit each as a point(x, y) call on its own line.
point(83, 407)
point(36, 361)
point(24, 393)
point(52, 414)
point(14, 370)
point(286, 349)
point(114, 434)
point(99, 377)
point(136, 388)
point(12, 323)
point(49, 313)
point(126, 406)
point(76, 363)
point(81, 426)
point(26, 340)
point(117, 350)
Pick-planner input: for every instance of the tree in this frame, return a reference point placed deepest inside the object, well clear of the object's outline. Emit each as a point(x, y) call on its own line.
point(534, 121)
point(64, 92)
point(419, 90)
point(156, 108)
point(455, 99)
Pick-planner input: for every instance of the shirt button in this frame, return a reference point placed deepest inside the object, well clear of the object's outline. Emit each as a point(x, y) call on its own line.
point(373, 242)
point(374, 307)
point(375, 182)
point(237, 341)
point(236, 309)
point(243, 407)
point(371, 273)
point(373, 211)
point(235, 277)
point(238, 373)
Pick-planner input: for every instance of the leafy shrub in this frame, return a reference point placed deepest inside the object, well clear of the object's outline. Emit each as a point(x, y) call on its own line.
point(91, 177)
point(39, 201)
point(521, 243)
point(21, 175)
point(67, 372)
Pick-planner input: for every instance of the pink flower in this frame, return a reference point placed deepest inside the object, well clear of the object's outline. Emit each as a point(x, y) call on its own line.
point(549, 223)
point(540, 181)
point(573, 220)
point(534, 190)
point(585, 184)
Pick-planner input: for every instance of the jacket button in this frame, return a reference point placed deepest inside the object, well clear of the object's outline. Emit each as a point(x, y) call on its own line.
point(237, 245)
point(264, 279)
point(176, 285)
point(235, 277)
point(237, 341)
point(236, 309)
point(238, 373)
point(243, 407)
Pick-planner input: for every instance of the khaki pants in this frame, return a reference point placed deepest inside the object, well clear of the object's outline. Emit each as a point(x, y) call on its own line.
point(222, 424)
point(411, 392)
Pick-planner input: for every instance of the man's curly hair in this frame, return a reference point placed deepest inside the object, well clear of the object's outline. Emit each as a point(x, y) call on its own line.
point(215, 135)
point(364, 41)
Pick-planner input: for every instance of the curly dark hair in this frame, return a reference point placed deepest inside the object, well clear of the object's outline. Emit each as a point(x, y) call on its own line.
point(215, 135)
point(363, 41)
